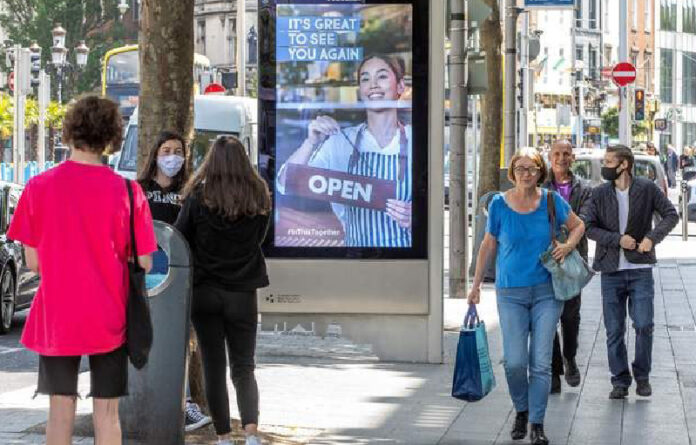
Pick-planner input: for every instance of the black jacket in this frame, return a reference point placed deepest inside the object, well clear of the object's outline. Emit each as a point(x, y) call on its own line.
point(602, 222)
point(580, 195)
point(226, 253)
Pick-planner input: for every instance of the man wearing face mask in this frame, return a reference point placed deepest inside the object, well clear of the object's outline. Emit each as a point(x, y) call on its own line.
point(619, 218)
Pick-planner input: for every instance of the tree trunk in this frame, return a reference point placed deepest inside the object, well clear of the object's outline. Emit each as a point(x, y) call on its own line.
point(166, 71)
point(492, 103)
point(166, 99)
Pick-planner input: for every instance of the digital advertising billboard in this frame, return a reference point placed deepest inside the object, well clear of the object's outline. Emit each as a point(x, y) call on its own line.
point(343, 132)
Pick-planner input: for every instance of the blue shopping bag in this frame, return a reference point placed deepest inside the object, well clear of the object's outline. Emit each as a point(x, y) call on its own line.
point(473, 373)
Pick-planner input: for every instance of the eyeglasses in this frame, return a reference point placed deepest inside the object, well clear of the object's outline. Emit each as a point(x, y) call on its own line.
point(519, 171)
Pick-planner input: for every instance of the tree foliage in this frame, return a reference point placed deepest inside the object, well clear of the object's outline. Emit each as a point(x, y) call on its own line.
point(54, 115)
point(97, 22)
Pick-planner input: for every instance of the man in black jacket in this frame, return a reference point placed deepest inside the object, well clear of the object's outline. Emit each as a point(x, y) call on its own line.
point(619, 219)
point(577, 193)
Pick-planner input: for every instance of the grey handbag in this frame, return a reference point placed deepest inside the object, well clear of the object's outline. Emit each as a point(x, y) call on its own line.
point(573, 274)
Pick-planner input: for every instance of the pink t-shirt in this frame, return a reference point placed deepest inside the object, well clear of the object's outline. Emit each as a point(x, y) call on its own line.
point(77, 217)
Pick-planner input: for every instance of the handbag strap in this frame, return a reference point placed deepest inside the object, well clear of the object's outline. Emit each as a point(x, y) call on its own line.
point(471, 318)
point(551, 207)
point(134, 246)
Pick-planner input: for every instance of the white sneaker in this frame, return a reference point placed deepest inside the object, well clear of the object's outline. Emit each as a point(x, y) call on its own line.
point(252, 439)
point(195, 418)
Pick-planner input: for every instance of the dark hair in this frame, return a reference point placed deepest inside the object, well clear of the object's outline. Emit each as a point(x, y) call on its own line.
point(150, 170)
point(529, 153)
point(93, 124)
point(623, 153)
point(227, 182)
point(395, 64)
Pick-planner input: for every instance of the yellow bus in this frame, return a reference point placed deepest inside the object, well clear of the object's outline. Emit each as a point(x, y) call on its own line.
point(120, 79)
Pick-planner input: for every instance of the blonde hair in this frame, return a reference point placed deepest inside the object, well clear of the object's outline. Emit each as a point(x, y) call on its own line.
point(533, 155)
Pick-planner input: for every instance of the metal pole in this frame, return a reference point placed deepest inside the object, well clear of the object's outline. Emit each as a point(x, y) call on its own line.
point(624, 112)
point(685, 210)
point(60, 84)
point(43, 104)
point(580, 124)
point(18, 118)
point(510, 72)
point(524, 61)
point(474, 167)
point(241, 47)
point(458, 190)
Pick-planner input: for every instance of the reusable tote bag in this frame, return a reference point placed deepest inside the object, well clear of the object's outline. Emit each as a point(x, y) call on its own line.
point(571, 275)
point(473, 373)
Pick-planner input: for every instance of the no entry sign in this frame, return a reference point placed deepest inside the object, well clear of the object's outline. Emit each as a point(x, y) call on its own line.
point(623, 74)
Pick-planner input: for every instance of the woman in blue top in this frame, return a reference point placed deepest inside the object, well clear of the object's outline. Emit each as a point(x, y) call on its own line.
point(379, 147)
point(517, 233)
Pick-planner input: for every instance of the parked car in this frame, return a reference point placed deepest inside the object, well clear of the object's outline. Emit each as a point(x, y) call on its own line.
point(588, 166)
point(18, 284)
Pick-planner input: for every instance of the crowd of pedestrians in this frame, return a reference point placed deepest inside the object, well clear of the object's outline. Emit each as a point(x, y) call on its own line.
point(618, 216)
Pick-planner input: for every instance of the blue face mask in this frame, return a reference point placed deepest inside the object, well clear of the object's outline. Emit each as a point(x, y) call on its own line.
point(170, 165)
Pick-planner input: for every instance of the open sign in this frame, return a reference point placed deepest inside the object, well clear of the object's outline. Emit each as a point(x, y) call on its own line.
point(338, 187)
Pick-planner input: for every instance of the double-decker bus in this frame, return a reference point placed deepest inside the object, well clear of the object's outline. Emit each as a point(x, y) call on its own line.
point(121, 76)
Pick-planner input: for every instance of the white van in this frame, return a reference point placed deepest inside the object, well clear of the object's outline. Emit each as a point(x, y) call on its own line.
point(213, 116)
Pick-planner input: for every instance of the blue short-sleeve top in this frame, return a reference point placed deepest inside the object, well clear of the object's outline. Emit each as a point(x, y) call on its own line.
point(521, 238)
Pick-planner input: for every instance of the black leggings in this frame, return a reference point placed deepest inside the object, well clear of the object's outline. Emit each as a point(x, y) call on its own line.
point(227, 318)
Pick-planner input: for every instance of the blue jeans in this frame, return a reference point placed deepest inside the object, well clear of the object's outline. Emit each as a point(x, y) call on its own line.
point(637, 288)
point(528, 320)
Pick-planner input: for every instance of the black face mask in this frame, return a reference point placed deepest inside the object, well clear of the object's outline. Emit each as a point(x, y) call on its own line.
point(611, 173)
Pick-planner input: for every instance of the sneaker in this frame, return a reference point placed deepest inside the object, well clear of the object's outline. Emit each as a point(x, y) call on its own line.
point(519, 429)
point(555, 384)
point(618, 392)
point(195, 418)
point(572, 373)
point(537, 437)
point(252, 439)
point(643, 388)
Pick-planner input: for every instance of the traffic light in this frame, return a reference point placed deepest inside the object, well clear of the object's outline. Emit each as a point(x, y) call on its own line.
point(520, 88)
point(639, 108)
point(576, 100)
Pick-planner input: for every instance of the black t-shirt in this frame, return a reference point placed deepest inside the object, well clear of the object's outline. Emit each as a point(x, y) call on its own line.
point(226, 252)
point(165, 204)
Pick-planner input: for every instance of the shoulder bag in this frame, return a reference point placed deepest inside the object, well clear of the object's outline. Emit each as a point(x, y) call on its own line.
point(571, 275)
point(138, 322)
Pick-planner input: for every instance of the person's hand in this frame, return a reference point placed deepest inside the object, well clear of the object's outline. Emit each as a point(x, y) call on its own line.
point(627, 242)
point(561, 251)
point(400, 211)
point(474, 296)
point(645, 246)
point(321, 128)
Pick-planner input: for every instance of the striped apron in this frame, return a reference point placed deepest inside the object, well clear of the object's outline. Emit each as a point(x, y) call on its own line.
point(373, 228)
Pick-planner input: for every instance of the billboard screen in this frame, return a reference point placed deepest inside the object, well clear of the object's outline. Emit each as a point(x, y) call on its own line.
point(343, 144)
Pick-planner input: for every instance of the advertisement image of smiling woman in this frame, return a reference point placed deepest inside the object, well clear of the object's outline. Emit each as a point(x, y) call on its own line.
point(380, 148)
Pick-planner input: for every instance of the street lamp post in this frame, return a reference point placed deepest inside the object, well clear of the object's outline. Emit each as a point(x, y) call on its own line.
point(59, 56)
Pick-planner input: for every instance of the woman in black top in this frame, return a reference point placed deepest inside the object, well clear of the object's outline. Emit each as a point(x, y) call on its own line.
point(224, 218)
point(165, 176)
point(166, 173)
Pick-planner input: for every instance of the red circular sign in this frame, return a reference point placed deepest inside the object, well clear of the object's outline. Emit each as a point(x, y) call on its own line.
point(623, 74)
point(214, 88)
point(10, 81)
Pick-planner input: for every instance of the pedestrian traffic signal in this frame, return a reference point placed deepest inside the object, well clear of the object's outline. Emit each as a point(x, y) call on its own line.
point(520, 88)
point(639, 108)
point(576, 100)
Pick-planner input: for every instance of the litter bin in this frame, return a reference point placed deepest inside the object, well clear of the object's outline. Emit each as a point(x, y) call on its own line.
point(481, 220)
point(153, 412)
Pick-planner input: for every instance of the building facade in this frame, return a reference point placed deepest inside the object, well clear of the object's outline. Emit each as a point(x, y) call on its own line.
point(215, 33)
point(675, 72)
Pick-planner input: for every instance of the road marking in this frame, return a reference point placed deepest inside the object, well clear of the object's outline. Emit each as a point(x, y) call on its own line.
point(6, 350)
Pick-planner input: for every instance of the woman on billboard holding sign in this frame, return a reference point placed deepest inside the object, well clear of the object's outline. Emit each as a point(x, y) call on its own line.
point(376, 211)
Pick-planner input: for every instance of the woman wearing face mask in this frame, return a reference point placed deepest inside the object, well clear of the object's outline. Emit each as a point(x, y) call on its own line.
point(162, 182)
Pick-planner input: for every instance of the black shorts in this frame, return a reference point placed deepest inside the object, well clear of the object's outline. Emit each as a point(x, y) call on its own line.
point(108, 374)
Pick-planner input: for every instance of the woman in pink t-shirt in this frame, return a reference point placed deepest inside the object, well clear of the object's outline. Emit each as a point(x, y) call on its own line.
point(73, 221)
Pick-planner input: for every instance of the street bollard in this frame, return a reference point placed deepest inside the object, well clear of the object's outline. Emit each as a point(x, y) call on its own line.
point(153, 411)
point(685, 210)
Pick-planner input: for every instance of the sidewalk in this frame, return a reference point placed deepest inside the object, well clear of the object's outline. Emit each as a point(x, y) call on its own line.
point(334, 392)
